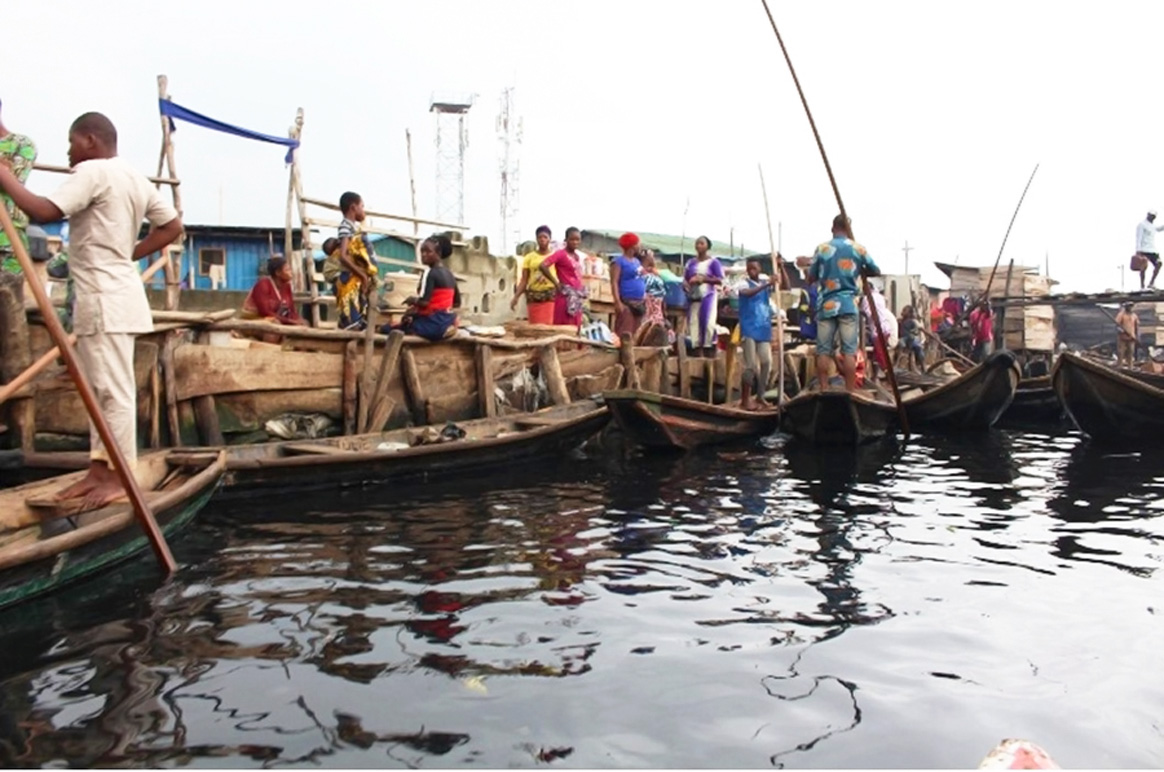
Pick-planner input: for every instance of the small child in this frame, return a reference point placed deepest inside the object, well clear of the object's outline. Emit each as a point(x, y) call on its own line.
point(356, 276)
point(653, 331)
point(911, 333)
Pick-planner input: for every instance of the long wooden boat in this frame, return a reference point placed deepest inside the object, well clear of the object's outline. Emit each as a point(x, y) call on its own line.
point(662, 421)
point(1108, 405)
point(45, 544)
point(410, 453)
point(1035, 404)
point(836, 417)
point(972, 401)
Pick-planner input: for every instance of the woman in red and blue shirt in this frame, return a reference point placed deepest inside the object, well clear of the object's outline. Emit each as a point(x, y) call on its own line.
point(431, 315)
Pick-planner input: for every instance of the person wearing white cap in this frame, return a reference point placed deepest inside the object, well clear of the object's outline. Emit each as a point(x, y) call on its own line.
point(1146, 246)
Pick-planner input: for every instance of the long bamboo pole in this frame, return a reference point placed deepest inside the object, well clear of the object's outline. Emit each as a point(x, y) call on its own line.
point(901, 415)
point(779, 305)
point(129, 482)
point(1006, 236)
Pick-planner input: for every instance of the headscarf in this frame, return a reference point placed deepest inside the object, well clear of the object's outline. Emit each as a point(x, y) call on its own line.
point(628, 240)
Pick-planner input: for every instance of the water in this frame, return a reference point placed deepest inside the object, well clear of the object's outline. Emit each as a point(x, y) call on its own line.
point(889, 608)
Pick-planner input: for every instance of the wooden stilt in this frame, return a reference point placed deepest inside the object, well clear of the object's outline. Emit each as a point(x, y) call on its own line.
point(351, 351)
point(709, 374)
point(552, 372)
point(155, 438)
point(382, 404)
point(170, 387)
point(413, 389)
point(652, 375)
point(15, 358)
point(665, 385)
point(206, 419)
point(626, 355)
point(484, 361)
point(171, 270)
point(366, 379)
point(684, 372)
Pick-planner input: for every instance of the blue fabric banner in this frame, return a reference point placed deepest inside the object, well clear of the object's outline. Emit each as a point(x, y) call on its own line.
point(177, 112)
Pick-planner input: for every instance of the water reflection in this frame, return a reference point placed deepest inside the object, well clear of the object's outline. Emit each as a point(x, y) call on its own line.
point(718, 608)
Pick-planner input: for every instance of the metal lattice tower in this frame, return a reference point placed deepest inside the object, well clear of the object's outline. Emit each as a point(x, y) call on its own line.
point(452, 139)
point(509, 133)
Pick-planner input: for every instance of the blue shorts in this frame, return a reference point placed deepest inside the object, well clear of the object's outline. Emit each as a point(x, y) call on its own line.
point(826, 333)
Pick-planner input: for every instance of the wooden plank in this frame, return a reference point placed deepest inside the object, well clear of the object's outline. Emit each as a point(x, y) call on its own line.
point(652, 375)
point(349, 386)
point(486, 403)
point(155, 410)
point(626, 355)
point(208, 370)
point(665, 385)
point(382, 404)
point(684, 373)
point(248, 411)
point(552, 372)
point(170, 387)
point(320, 450)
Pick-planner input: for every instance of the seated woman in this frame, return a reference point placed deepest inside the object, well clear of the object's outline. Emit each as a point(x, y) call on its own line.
point(272, 299)
point(431, 315)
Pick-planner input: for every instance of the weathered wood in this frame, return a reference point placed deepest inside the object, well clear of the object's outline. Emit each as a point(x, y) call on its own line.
point(552, 373)
point(587, 386)
point(203, 370)
point(665, 386)
point(33, 370)
point(652, 375)
point(484, 363)
point(684, 373)
point(413, 390)
point(15, 357)
point(351, 350)
point(382, 404)
point(626, 355)
point(170, 387)
point(248, 411)
point(709, 375)
point(206, 419)
point(155, 411)
point(194, 317)
point(365, 405)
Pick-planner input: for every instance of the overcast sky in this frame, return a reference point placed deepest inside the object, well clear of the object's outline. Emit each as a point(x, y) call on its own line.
point(933, 114)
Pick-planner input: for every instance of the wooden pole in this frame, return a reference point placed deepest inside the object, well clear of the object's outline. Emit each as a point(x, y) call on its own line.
point(366, 379)
point(31, 372)
point(779, 306)
point(998, 259)
point(57, 332)
point(351, 351)
point(684, 373)
point(484, 364)
point(413, 388)
point(552, 373)
point(901, 415)
point(382, 404)
point(171, 270)
point(170, 388)
point(626, 354)
point(664, 372)
point(1002, 311)
point(412, 188)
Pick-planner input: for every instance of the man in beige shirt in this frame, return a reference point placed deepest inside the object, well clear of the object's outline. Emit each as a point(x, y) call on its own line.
point(105, 200)
point(1129, 335)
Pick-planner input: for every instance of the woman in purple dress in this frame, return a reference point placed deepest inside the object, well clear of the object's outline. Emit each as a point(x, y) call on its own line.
point(701, 280)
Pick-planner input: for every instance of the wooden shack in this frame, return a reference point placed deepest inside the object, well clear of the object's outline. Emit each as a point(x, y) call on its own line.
point(1026, 328)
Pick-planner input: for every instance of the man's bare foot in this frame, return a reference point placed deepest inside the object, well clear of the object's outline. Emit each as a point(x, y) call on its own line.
point(763, 404)
point(104, 494)
point(80, 488)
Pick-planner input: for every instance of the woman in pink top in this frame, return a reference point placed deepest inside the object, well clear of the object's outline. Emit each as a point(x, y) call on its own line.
point(570, 294)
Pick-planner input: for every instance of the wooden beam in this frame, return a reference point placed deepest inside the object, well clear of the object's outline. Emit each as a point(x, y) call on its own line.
point(55, 169)
point(170, 387)
point(382, 404)
point(201, 370)
point(413, 390)
point(626, 355)
point(401, 217)
point(206, 419)
point(351, 351)
point(484, 363)
point(684, 373)
point(552, 373)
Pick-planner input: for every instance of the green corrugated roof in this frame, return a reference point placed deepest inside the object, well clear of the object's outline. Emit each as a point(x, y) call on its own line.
point(670, 245)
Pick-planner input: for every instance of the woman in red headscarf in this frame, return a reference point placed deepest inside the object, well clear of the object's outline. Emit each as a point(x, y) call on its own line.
point(627, 286)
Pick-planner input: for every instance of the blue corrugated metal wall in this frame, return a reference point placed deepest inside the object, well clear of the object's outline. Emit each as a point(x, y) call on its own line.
point(246, 260)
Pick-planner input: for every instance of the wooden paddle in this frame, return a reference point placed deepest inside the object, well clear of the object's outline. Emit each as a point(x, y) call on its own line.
point(901, 415)
point(780, 306)
point(140, 508)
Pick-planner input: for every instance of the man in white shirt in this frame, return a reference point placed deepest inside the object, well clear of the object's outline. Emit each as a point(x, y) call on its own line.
point(1146, 246)
point(105, 200)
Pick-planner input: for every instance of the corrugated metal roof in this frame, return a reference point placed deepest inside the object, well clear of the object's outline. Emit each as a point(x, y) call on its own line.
point(665, 244)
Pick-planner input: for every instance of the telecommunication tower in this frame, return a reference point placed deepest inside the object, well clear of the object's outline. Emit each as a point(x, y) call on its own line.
point(509, 133)
point(452, 139)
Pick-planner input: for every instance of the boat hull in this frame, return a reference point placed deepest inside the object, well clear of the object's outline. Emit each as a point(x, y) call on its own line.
point(973, 401)
point(1035, 403)
point(660, 421)
point(1109, 406)
point(837, 418)
point(26, 581)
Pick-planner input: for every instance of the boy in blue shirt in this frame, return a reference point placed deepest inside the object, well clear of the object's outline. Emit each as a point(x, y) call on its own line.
point(756, 333)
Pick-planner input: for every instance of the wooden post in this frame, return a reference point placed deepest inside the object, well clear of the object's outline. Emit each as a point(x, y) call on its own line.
point(684, 373)
point(382, 404)
point(117, 457)
point(412, 186)
point(14, 354)
point(709, 374)
point(366, 379)
point(170, 387)
point(155, 439)
point(626, 355)
point(484, 362)
point(665, 386)
point(305, 246)
point(552, 372)
point(412, 388)
point(206, 418)
point(652, 375)
point(171, 270)
point(351, 351)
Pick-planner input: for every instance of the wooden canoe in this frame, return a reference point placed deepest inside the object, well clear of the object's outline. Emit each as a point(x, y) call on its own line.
point(972, 401)
point(44, 546)
point(662, 421)
point(836, 417)
point(395, 455)
point(1110, 406)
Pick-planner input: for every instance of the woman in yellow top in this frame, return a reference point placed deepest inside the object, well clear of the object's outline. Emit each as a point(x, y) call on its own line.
point(538, 290)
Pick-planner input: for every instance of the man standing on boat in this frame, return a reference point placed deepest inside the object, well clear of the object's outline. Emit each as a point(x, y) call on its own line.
point(105, 200)
point(1146, 246)
point(836, 266)
point(982, 330)
point(1129, 335)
